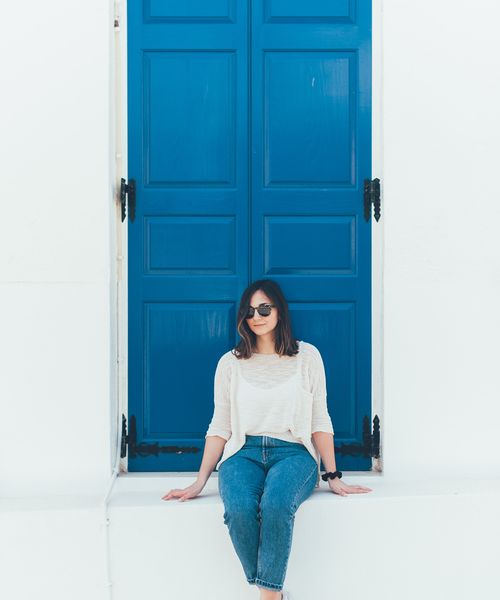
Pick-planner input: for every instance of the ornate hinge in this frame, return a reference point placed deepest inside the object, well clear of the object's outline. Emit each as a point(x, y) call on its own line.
point(372, 196)
point(130, 191)
point(369, 448)
point(134, 449)
point(371, 441)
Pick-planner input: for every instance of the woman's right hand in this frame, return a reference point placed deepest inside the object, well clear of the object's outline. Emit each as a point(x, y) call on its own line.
point(214, 446)
point(185, 494)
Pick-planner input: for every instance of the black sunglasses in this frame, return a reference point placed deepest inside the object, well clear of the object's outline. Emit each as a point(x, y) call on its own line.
point(264, 310)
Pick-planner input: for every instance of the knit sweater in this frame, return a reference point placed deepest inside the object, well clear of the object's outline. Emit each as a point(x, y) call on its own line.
point(293, 418)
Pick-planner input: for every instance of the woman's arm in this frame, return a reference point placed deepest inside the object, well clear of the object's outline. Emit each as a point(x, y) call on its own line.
point(221, 420)
point(321, 420)
point(214, 447)
point(322, 427)
point(323, 442)
point(219, 430)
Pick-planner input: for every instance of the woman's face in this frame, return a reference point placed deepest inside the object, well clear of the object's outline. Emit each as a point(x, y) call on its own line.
point(258, 324)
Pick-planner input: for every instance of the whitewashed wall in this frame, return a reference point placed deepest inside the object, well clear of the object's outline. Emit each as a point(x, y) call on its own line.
point(441, 155)
point(56, 280)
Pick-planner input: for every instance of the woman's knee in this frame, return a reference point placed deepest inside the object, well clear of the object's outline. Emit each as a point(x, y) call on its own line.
point(274, 505)
point(241, 513)
point(288, 503)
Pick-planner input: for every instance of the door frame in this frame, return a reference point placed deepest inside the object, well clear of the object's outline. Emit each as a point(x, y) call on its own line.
point(119, 236)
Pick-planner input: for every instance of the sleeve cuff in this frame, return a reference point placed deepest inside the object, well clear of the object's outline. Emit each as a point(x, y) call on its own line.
point(224, 434)
point(324, 428)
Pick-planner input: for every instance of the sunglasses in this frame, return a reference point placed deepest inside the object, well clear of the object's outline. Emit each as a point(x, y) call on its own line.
point(264, 310)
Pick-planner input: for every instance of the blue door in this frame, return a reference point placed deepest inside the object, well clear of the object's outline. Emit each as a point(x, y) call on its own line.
point(249, 138)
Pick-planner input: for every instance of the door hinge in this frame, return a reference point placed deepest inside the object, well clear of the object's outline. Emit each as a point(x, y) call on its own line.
point(372, 196)
point(116, 17)
point(128, 190)
point(371, 441)
point(134, 449)
point(369, 448)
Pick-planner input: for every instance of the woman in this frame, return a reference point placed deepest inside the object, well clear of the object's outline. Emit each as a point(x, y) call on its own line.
point(271, 425)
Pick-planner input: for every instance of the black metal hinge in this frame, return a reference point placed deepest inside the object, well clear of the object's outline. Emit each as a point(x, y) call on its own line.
point(369, 448)
point(128, 190)
point(372, 196)
point(134, 449)
point(371, 441)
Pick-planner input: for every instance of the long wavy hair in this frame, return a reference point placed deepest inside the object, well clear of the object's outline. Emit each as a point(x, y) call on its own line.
point(284, 342)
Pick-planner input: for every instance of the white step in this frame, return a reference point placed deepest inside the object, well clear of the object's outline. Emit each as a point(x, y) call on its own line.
point(433, 540)
point(406, 540)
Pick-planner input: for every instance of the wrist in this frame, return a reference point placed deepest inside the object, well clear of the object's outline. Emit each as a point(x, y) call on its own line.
point(202, 479)
point(331, 475)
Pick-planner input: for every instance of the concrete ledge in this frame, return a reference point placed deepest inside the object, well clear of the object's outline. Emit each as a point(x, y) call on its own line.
point(131, 487)
point(433, 539)
point(404, 540)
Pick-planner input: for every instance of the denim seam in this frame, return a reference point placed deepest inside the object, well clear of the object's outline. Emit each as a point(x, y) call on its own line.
point(260, 544)
point(302, 487)
point(289, 547)
point(294, 508)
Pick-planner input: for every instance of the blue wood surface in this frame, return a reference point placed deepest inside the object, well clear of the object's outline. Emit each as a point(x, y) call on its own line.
point(249, 135)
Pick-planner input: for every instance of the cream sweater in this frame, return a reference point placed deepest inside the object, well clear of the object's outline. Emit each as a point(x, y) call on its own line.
point(290, 411)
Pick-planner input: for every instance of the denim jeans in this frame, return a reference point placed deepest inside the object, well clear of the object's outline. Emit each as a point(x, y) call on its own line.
point(261, 487)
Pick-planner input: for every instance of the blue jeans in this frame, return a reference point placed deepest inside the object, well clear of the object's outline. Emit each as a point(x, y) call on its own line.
point(262, 486)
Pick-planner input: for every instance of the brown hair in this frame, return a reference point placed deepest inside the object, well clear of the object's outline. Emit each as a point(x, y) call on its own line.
point(285, 343)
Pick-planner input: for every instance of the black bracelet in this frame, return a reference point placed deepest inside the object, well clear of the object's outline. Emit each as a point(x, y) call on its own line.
point(331, 475)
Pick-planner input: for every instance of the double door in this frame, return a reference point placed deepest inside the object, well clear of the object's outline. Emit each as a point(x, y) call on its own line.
point(249, 135)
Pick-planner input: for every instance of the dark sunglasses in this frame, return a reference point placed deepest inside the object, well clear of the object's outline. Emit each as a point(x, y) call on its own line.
point(264, 310)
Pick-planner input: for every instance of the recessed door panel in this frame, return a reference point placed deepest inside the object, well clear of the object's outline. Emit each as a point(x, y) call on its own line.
point(309, 112)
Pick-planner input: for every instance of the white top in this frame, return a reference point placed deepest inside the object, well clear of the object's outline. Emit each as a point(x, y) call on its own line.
point(267, 394)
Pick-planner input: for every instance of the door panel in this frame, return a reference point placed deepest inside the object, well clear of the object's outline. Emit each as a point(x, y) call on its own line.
point(188, 246)
point(309, 107)
point(311, 150)
point(190, 135)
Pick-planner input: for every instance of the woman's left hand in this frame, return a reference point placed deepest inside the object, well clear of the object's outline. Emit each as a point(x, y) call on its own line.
point(339, 487)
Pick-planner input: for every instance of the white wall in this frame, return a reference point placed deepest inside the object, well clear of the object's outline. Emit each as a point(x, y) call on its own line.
point(441, 206)
point(56, 279)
